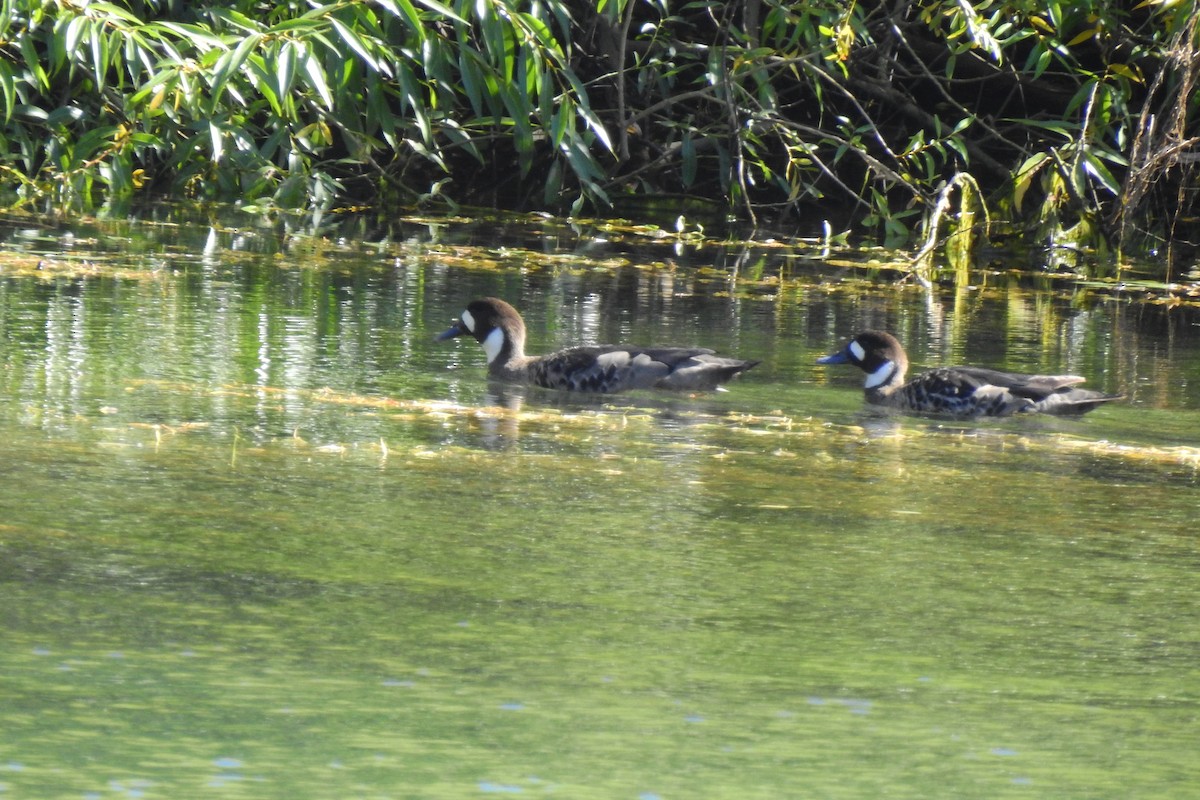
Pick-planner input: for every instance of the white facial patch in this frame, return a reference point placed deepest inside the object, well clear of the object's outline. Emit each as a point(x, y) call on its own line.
point(493, 344)
point(469, 321)
point(857, 350)
point(880, 375)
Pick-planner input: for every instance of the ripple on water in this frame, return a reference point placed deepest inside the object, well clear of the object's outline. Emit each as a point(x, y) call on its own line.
point(499, 788)
point(134, 787)
point(224, 778)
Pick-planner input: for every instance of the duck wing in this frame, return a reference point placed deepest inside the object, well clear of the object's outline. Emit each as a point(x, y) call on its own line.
point(1034, 387)
point(1068, 402)
point(702, 371)
point(615, 368)
point(1046, 394)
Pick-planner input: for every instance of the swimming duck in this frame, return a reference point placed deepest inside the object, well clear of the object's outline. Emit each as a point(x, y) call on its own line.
point(591, 368)
point(960, 391)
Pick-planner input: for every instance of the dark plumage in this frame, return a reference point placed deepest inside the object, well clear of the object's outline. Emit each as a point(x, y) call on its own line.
point(599, 368)
point(959, 391)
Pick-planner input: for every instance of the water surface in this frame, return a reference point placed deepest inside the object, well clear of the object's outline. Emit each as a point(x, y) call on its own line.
point(261, 537)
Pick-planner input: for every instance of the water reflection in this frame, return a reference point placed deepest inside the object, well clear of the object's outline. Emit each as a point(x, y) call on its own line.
point(370, 316)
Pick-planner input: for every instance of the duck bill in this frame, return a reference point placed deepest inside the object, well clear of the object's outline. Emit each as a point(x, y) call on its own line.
point(836, 358)
point(456, 330)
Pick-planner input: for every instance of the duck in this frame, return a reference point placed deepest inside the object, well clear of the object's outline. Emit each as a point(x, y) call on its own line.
point(499, 328)
point(960, 391)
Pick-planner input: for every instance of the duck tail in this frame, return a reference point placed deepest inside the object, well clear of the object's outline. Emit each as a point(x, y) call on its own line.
point(1073, 402)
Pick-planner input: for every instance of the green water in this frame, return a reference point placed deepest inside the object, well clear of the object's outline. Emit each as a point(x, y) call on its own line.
point(261, 537)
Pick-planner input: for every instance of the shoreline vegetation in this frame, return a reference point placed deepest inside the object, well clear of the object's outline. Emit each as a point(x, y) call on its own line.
point(930, 126)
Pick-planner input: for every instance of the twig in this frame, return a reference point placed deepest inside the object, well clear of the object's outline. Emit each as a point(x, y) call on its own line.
point(940, 207)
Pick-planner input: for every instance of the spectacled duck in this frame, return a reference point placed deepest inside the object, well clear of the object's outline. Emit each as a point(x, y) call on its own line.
point(589, 368)
point(960, 391)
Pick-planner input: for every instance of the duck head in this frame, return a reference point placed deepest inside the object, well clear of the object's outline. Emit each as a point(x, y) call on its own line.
point(495, 324)
point(876, 353)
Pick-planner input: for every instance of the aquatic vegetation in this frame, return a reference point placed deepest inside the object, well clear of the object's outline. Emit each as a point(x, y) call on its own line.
point(932, 125)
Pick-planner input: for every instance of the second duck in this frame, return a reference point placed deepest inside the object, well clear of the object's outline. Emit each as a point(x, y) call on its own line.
point(590, 368)
point(959, 391)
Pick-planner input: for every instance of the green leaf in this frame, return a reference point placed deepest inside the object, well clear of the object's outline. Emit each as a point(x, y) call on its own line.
point(1066, 129)
point(468, 72)
point(1126, 71)
point(93, 146)
point(77, 29)
point(1043, 61)
point(1054, 9)
point(403, 9)
point(553, 187)
point(410, 91)
point(125, 15)
point(508, 50)
point(285, 68)
point(544, 36)
point(99, 48)
point(139, 51)
point(229, 64)
point(1023, 177)
point(585, 169)
point(441, 10)
point(1082, 37)
point(355, 43)
point(316, 76)
point(235, 18)
point(461, 139)
point(1095, 167)
point(562, 122)
point(523, 142)
point(528, 70)
point(264, 81)
point(8, 87)
point(33, 63)
point(958, 146)
point(217, 138)
point(593, 122)
point(146, 140)
point(689, 163)
point(199, 39)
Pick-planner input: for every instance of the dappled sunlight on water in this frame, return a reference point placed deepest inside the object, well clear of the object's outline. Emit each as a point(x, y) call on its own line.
point(262, 537)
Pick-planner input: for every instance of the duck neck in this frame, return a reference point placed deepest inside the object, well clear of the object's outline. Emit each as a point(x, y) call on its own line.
point(497, 347)
point(505, 355)
point(884, 381)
